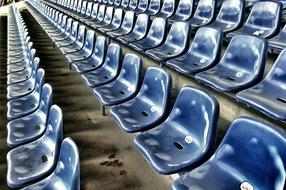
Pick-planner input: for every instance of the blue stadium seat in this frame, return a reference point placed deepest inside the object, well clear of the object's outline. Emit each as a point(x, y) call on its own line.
point(21, 89)
point(67, 173)
point(87, 12)
point(263, 20)
point(78, 45)
point(242, 65)
point(34, 161)
point(138, 114)
point(250, 156)
point(70, 38)
point(154, 7)
point(204, 52)
point(204, 14)
point(139, 31)
point(167, 9)
point(20, 66)
point(93, 14)
point(174, 45)
point(22, 75)
point(269, 95)
point(230, 16)
point(29, 128)
point(154, 37)
point(126, 26)
point(117, 3)
point(65, 34)
point(25, 105)
point(125, 86)
point(95, 60)
point(100, 15)
point(115, 23)
point(278, 43)
point(132, 5)
point(59, 29)
point(108, 71)
point(124, 4)
point(142, 6)
point(87, 49)
point(107, 18)
point(184, 11)
point(187, 138)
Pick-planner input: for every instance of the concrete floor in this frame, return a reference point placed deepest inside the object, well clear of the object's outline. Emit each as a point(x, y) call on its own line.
point(108, 159)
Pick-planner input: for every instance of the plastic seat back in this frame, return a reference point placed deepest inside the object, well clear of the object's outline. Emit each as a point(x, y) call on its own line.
point(63, 24)
point(133, 4)
point(185, 9)
point(128, 21)
point(206, 45)
point(265, 15)
point(157, 30)
point(94, 11)
point(108, 15)
point(117, 18)
point(89, 41)
point(83, 7)
point(230, 167)
point(88, 9)
point(142, 5)
point(101, 13)
point(99, 48)
point(154, 7)
point(231, 12)
point(67, 171)
point(168, 8)
point(112, 59)
point(79, 5)
point(124, 3)
point(178, 36)
point(110, 2)
point(117, 3)
point(47, 95)
point(245, 58)
point(156, 88)
point(74, 31)
point(141, 24)
point(81, 35)
point(69, 27)
point(205, 10)
point(130, 73)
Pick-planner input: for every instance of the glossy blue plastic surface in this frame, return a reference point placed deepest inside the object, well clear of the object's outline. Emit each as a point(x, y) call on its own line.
point(79, 43)
point(230, 16)
point(139, 30)
point(269, 95)
point(31, 127)
point(184, 11)
point(251, 156)
point(125, 86)
point(107, 18)
point(204, 52)
point(86, 50)
point(126, 26)
point(174, 45)
point(67, 173)
point(71, 38)
point(263, 20)
point(187, 138)
point(34, 161)
point(115, 23)
point(25, 105)
point(154, 37)
point(21, 89)
point(142, 6)
point(108, 71)
point(95, 60)
point(149, 106)
point(154, 7)
point(241, 66)
point(167, 9)
point(204, 14)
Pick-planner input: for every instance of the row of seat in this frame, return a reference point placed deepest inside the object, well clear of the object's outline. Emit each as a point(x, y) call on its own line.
point(229, 19)
point(184, 139)
point(40, 158)
point(239, 70)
